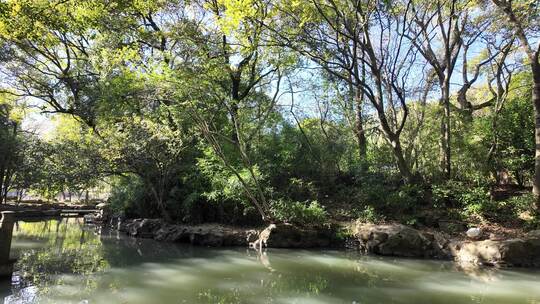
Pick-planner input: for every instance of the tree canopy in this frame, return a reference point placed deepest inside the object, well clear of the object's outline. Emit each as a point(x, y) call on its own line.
point(242, 111)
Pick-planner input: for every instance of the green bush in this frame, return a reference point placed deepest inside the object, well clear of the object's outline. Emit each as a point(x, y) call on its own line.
point(522, 203)
point(369, 215)
point(372, 195)
point(406, 198)
point(457, 193)
point(477, 201)
point(450, 194)
point(303, 213)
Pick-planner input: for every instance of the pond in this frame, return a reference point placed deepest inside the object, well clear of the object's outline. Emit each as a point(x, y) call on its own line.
point(64, 261)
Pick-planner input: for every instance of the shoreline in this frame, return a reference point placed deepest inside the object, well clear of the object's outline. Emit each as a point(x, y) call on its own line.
point(520, 249)
point(393, 240)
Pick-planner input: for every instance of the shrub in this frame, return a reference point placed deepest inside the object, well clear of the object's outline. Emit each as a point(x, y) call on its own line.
point(522, 203)
point(476, 201)
point(372, 195)
point(369, 215)
point(405, 199)
point(449, 193)
point(302, 213)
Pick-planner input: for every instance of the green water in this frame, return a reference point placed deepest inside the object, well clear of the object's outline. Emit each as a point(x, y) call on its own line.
point(67, 262)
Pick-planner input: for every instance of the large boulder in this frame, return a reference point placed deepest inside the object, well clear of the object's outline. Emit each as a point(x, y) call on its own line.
point(283, 236)
point(202, 235)
point(290, 236)
point(400, 240)
point(518, 252)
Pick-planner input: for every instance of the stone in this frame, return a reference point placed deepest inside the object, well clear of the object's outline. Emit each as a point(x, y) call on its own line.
point(495, 237)
point(535, 234)
point(202, 235)
point(213, 235)
point(291, 236)
point(518, 252)
point(399, 240)
point(474, 233)
point(478, 253)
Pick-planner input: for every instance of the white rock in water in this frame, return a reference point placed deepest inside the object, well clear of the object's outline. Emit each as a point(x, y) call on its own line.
point(474, 233)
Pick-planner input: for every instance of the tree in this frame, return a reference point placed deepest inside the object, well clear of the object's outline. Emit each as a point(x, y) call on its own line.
point(29, 172)
point(364, 45)
point(151, 151)
point(48, 47)
point(442, 31)
point(521, 18)
point(9, 147)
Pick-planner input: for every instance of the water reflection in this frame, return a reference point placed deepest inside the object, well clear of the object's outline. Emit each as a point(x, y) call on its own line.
point(63, 261)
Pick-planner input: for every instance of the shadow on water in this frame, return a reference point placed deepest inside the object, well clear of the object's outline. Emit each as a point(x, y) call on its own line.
point(64, 261)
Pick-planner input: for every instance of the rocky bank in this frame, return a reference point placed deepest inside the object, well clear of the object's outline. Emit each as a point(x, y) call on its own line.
point(214, 235)
point(403, 241)
point(386, 240)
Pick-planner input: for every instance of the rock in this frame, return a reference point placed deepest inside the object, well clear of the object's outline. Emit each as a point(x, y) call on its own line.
point(441, 245)
point(519, 252)
point(284, 236)
point(535, 234)
point(207, 238)
point(202, 235)
point(400, 240)
point(474, 233)
point(495, 237)
point(290, 236)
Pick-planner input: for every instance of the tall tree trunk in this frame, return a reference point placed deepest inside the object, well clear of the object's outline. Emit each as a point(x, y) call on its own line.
point(535, 67)
point(401, 162)
point(5, 194)
point(2, 175)
point(445, 148)
point(397, 150)
point(359, 126)
point(158, 195)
